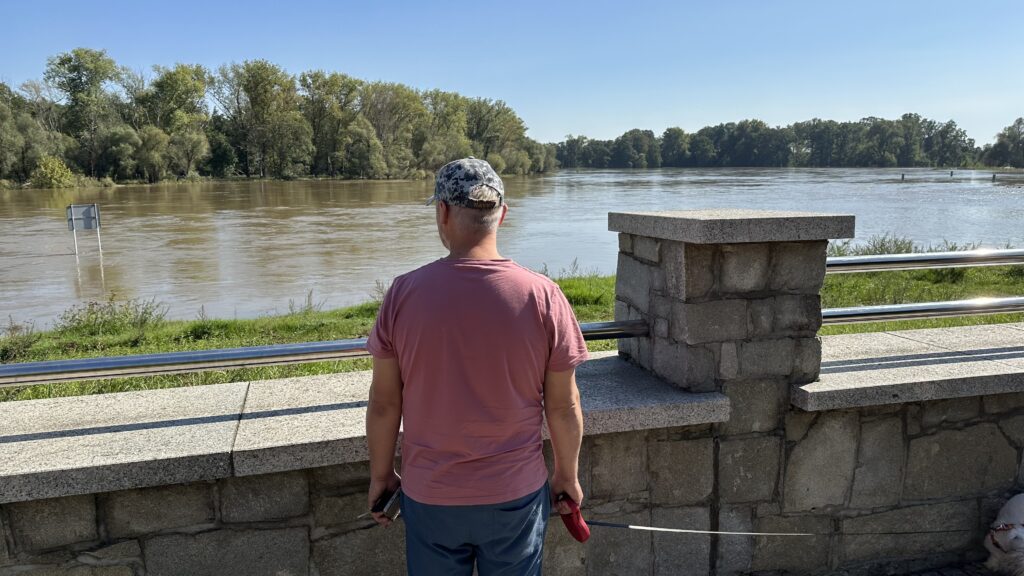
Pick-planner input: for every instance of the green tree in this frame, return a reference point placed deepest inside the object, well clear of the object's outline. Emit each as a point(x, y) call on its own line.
point(329, 105)
point(187, 147)
point(636, 149)
point(702, 150)
point(570, 152)
point(51, 172)
point(260, 104)
point(11, 142)
point(814, 142)
point(914, 130)
point(675, 147)
point(543, 157)
point(151, 154)
point(121, 145)
point(597, 154)
point(880, 143)
point(948, 145)
point(291, 145)
point(395, 111)
point(492, 126)
point(81, 76)
point(222, 160)
point(36, 142)
point(177, 97)
point(362, 155)
point(442, 137)
point(1008, 149)
point(517, 161)
point(41, 102)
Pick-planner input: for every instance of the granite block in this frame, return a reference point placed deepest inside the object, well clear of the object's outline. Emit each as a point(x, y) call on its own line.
point(615, 551)
point(819, 470)
point(950, 464)
point(681, 471)
point(264, 497)
point(745, 268)
point(756, 406)
point(633, 282)
point(282, 552)
point(876, 481)
point(106, 442)
point(618, 465)
point(131, 513)
point(305, 422)
point(748, 469)
point(714, 321)
point(735, 553)
point(959, 521)
point(792, 554)
point(678, 554)
point(51, 523)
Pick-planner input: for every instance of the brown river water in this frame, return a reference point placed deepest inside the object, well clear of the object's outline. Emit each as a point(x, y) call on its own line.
point(245, 249)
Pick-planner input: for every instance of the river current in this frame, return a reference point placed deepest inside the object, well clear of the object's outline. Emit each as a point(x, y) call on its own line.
point(245, 249)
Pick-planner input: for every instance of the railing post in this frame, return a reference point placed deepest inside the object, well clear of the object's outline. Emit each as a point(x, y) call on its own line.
point(730, 296)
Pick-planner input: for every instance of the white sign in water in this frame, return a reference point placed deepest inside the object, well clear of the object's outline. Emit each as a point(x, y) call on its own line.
point(83, 217)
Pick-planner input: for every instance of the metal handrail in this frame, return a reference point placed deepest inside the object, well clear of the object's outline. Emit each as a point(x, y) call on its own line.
point(919, 261)
point(54, 371)
point(972, 307)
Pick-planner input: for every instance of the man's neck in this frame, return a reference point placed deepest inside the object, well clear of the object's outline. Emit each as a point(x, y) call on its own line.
point(484, 250)
point(474, 254)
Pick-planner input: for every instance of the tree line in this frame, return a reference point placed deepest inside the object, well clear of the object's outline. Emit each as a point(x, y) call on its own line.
point(88, 116)
point(908, 141)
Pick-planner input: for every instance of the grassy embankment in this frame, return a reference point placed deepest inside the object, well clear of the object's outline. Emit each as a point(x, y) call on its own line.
point(119, 328)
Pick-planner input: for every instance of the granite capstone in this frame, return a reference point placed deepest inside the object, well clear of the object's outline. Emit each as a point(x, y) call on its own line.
point(732, 225)
point(100, 443)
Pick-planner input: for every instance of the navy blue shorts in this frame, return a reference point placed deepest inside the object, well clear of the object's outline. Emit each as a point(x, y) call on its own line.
point(504, 539)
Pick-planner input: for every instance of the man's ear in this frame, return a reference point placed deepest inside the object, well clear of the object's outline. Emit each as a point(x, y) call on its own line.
point(504, 212)
point(445, 212)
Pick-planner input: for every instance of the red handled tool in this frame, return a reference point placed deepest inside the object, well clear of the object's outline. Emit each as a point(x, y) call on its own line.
point(574, 520)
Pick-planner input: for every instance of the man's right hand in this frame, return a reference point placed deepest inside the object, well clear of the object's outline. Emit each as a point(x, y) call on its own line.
point(571, 488)
point(378, 487)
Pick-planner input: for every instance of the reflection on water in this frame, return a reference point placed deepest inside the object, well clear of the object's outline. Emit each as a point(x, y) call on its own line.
point(243, 249)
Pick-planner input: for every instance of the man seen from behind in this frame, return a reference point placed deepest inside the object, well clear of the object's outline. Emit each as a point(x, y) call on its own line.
point(471, 353)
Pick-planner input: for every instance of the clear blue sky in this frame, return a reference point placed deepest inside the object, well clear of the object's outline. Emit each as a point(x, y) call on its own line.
point(595, 68)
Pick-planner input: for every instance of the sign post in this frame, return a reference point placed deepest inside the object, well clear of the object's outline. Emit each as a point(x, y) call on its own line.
point(84, 217)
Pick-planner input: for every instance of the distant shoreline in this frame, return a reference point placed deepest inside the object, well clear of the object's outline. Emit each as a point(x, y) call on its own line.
point(98, 184)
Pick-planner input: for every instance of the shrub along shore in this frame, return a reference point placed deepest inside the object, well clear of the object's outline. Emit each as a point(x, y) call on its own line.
point(138, 327)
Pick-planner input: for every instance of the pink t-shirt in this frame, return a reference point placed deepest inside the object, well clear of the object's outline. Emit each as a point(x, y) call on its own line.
point(473, 339)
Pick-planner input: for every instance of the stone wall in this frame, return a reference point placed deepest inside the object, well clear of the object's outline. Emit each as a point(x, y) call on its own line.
point(935, 473)
point(291, 523)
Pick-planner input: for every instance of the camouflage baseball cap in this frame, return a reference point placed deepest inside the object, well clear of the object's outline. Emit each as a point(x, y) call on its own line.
point(468, 182)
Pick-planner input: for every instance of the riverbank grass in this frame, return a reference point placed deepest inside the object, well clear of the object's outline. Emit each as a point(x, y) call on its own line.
point(116, 328)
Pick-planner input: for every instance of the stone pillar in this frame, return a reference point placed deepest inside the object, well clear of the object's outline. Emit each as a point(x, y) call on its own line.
point(729, 295)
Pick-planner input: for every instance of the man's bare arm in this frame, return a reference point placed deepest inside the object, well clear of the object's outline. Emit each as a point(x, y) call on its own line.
point(383, 418)
point(565, 422)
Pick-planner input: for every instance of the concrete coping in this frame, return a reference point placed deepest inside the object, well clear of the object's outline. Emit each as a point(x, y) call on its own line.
point(89, 444)
point(732, 226)
point(915, 365)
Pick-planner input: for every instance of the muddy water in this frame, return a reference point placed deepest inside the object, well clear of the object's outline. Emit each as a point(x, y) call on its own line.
point(244, 249)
